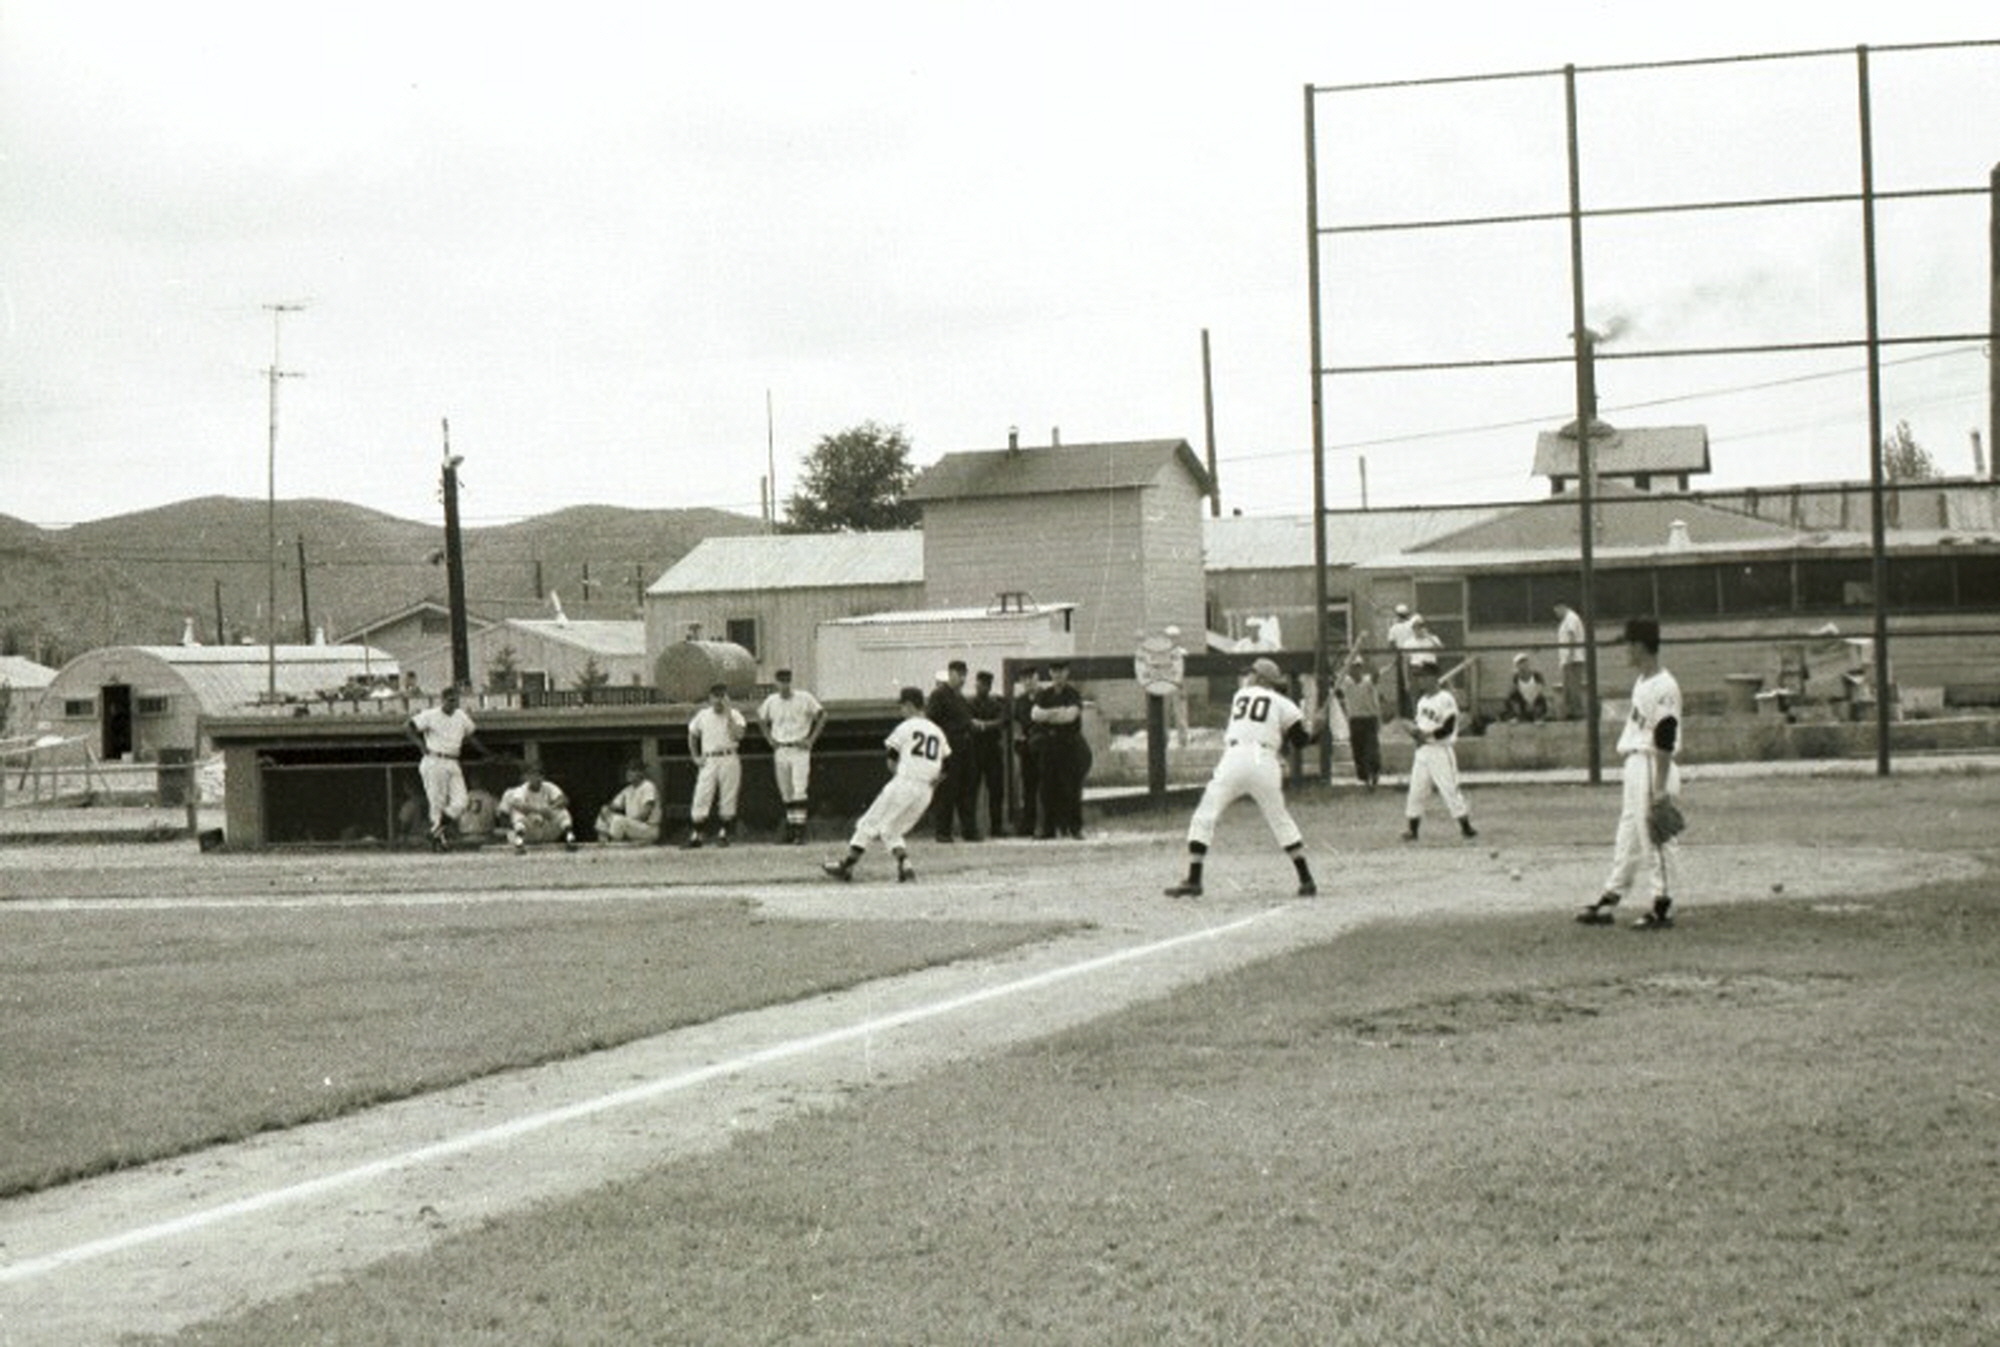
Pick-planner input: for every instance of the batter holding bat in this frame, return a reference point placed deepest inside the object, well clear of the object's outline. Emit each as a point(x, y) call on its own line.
point(1434, 765)
point(1263, 722)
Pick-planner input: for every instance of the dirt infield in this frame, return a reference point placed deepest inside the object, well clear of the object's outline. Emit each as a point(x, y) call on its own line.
point(159, 1247)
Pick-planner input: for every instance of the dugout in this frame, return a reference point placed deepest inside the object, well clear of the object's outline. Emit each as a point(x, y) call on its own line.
point(351, 780)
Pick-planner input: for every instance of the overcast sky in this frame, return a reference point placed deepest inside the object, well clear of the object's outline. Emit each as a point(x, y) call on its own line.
point(597, 236)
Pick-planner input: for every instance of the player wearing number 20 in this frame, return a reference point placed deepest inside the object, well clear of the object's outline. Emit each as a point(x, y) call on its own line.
point(1263, 722)
point(917, 751)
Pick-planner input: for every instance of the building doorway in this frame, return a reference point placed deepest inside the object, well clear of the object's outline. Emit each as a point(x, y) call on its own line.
point(114, 721)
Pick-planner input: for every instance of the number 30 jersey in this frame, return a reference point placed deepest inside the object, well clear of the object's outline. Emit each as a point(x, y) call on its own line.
point(1260, 720)
point(920, 749)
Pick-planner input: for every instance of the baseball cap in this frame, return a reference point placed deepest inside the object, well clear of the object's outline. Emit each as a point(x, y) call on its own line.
point(1267, 670)
point(718, 689)
point(1423, 664)
point(1521, 658)
point(941, 676)
point(783, 675)
point(1402, 610)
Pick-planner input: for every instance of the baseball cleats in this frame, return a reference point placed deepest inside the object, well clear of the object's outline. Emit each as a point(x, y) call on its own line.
point(904, 874)
point(1599, 913)
point(1185, 889)
point(569, 842)
point(1466, 830)
point(438, 842)
point(520, 847)
point(1308, 889)
point(842, 872)
point(692, 844)
point(1659, 919)
point(1409, 834)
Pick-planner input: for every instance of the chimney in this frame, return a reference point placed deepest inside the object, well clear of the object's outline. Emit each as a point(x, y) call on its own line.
point(1677, 536)
point(1055, 437)
point(1013, 439)
point(1978, 455)
point(187, 634)
point(319, 635)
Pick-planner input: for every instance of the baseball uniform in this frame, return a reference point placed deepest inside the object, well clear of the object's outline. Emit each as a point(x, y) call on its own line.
point(921, 750)
point(1252, 763)
point(633, 814)
point(713, 736)
point(791, 719)
point(1434, 765)
point(444, 734)
point(536, 813)
point(1656, 703)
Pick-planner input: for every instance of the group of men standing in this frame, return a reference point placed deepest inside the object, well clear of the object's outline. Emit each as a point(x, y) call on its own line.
point(1044, 726)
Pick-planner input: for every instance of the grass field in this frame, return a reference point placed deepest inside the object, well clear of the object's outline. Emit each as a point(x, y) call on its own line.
point(1772, 1125)
point(1781, 1130)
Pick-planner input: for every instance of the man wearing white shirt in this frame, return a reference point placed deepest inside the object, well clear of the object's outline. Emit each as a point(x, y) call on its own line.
point(791, 719)
point(443, 732)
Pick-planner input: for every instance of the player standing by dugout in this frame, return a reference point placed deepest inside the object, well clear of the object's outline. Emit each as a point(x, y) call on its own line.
point(443, 732)
point(1650, 816)
point(791, 719)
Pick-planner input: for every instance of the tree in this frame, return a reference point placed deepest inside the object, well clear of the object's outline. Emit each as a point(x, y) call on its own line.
point(854, 482)
point(1904, 460)
point(503, 672)
point(590, 677)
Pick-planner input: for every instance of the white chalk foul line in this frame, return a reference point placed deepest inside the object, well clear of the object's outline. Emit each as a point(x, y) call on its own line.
point(28, 1269)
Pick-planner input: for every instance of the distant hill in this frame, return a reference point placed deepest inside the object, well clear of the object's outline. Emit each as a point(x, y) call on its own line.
point(138, 578)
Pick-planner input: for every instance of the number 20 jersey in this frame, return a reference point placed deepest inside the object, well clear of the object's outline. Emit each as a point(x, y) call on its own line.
point(920, 749)
point(1259, 720)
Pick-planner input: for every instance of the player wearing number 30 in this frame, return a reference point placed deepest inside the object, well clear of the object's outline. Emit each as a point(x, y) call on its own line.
point(917, 750)
point(1263, 722)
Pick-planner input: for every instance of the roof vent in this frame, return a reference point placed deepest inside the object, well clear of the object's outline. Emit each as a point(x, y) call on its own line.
point(1013, 439)
point(1677, 536)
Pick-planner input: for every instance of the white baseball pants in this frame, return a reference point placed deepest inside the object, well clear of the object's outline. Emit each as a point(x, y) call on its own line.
point(718, 783)
point(1252, 772)
point(894, 812)
point(1434, 767)
point(444, 787)
point(1633, 851)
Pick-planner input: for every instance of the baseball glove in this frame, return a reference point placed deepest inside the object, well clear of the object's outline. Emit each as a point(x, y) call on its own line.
point(1665, 822)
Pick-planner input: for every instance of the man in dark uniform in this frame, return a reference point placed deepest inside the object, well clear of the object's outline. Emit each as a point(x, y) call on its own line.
point(1058, 721)
point(958, 792)
point(1027, 752)
point(989, 748)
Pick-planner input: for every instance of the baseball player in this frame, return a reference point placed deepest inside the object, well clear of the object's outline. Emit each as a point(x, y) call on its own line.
point(792, 719)
point(536, 811)
point(1434, 766)
point(443, 732)
point(1648, 744)
point(1263, 722)
point(713, 736)
point(634, 812)
point(917, 753)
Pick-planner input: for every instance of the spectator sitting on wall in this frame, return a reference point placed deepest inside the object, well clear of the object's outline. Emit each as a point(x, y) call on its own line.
point(1527, 694)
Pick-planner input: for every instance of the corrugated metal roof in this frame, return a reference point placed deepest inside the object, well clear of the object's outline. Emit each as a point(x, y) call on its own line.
point(1624, 453)
point(796, 561)
point(916, 616)
point(1626, 517)
point(1054, 469)
point(1352, 536)
point(17, 672)
point(596, 636)
point(301, 656)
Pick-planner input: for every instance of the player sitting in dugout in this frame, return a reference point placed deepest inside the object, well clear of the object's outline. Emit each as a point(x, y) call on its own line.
point(536, 811)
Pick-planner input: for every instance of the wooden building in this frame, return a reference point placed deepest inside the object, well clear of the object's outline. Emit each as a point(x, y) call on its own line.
point(1114, 529)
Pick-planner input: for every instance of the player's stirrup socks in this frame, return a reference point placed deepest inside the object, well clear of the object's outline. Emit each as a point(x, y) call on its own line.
point(1196, 850)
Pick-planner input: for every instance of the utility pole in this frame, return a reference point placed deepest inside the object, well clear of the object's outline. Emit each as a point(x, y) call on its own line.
point(1208, 429)
point(454, 567)
point(277, 372)
point(770, 466)
point(221, 636)
point(305, 602)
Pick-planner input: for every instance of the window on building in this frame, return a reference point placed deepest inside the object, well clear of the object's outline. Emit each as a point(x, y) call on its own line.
point(1979, 582)
point(534, 680)
point(742, 631)
point(1687, 591)
point(1546, 589)
point(1619, 594)
point(1921, 584)
point(1834, 586)
point(79, 708)
point(1500, 601)
point(152, 706)
point(1757, 587)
